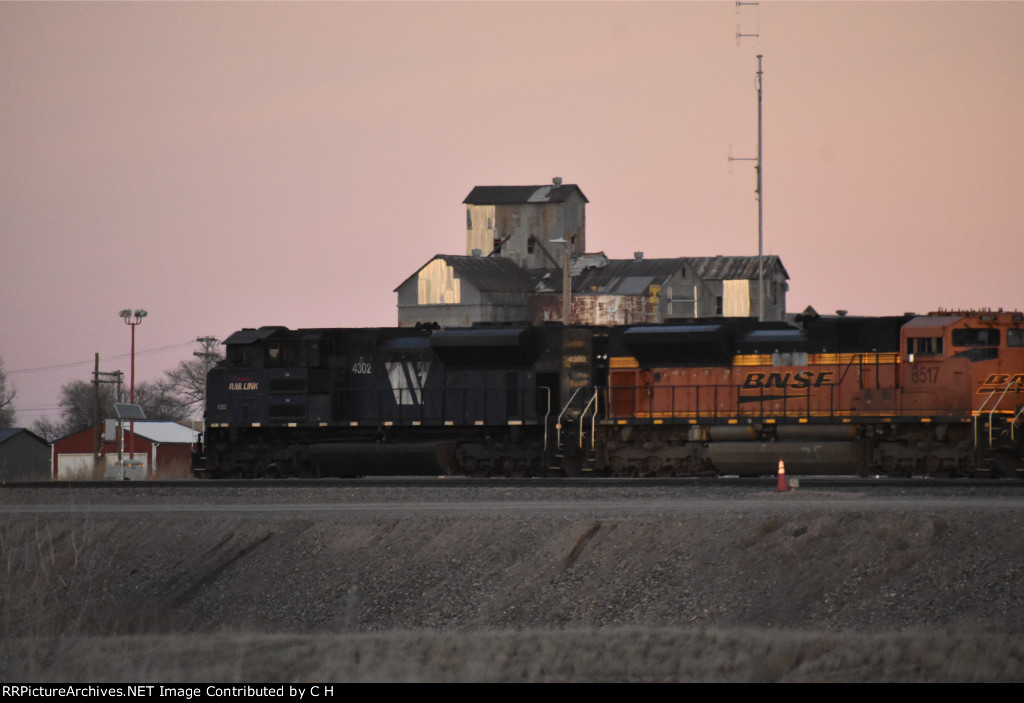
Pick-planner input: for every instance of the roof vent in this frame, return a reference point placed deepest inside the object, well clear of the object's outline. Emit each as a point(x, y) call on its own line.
point(477, 252)
point(841, 313)
point(557, 180)
point(638, 256)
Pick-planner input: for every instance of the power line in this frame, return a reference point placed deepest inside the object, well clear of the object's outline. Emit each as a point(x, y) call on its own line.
point(116, 356)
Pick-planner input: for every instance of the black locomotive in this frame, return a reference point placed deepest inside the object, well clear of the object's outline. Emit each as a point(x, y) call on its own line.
point(938, 394)
point(341, 402)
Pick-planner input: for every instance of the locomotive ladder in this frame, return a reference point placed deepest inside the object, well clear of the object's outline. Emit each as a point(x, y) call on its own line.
point(991, 413)
point(590, 457)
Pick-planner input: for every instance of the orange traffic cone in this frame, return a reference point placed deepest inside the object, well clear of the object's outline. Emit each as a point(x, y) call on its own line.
point(783, 483)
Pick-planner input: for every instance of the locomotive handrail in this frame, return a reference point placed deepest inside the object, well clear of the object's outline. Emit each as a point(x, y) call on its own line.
point(981, 408)
point(593, 421)
point(992, 412)
point(974, 420)
point(547, 415)
point(558, 425)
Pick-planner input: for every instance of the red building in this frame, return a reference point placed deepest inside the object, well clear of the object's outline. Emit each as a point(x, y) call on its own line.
point(164, 448)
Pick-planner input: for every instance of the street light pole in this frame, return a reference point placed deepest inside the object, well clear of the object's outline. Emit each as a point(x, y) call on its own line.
point(132, 318)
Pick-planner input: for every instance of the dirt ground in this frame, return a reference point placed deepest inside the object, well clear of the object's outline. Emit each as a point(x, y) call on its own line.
point(668, 584)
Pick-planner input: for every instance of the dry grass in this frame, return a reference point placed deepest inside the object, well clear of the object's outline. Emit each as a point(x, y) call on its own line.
point(599, 655)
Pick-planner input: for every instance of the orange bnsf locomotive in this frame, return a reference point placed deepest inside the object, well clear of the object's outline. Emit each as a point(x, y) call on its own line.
point(939, 394)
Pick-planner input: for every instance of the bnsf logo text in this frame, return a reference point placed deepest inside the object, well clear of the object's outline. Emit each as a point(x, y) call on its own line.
point(803, 379)
point(1001, 381)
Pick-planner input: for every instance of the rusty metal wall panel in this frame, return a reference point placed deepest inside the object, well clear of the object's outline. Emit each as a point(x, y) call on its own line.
point(605, 310)
point(613, 310)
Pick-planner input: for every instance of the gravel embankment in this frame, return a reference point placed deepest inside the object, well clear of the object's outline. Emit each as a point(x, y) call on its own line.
point(346, 582)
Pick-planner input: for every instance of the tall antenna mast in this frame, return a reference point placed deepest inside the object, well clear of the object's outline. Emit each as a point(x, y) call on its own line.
point(760, 202)
point(758, 169)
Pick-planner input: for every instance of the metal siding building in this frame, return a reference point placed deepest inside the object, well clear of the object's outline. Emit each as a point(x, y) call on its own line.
point(24, 456)
point(456, 291)
point(516, 240)
point(531, 225)
point(166, 447)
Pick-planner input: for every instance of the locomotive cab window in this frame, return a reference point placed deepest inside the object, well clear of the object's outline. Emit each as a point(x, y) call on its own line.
point(278, 355)
point(243, 355)
point(1015, 338)
point(924, 346)
point(973, 337)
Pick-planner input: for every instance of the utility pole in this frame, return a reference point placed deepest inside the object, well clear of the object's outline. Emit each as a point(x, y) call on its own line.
point(109, 377)
point(96, 411)
point(208, 355)
point(566, 289)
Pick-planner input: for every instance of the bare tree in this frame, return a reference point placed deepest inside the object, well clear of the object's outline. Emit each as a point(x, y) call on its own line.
point(48, 429)
point(160, 402)
point(178, 395)
point(77, 404)
point(7, 414)
point(186, 383)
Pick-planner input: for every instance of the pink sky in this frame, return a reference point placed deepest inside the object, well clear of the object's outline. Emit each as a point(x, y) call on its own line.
point(234, 164)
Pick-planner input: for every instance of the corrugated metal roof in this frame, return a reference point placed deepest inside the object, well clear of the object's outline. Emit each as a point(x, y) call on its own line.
point(486, 273)
point(625, 276)
point(724, 268)
point(511, 195)
point(165, 432)
point(8, 432)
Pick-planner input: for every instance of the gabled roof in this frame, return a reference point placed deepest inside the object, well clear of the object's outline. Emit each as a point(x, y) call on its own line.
point(159, 431)
point(8, 432)
point(595, 274)
point(627, 276)
point(512, 195)
point(485, 273)
point(165, 432)
point(722, 268)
